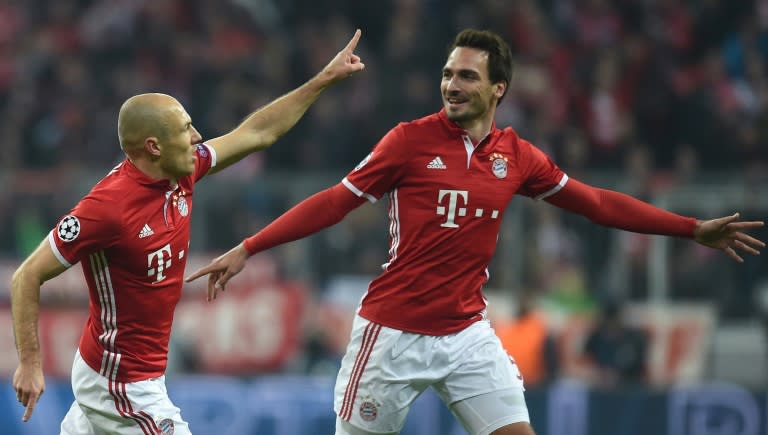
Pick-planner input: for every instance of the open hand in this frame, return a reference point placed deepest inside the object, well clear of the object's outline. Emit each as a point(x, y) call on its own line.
point(221, 269)
point(727, 234)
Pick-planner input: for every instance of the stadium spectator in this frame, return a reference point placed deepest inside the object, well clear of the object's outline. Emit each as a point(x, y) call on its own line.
point(131, 234)
point(449, 178)
point(616, 351)
point(526, 337)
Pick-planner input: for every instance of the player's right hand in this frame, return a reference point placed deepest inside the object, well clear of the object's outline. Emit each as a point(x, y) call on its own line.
point(29, 383)
point(221, 269)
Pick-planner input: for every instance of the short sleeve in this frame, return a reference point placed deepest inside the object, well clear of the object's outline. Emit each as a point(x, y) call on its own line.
point(89, 227)
point(206, 159)
point(543, 177)
point(378, 172)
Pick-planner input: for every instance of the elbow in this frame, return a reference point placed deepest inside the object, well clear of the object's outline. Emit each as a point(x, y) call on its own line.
point(17, 280)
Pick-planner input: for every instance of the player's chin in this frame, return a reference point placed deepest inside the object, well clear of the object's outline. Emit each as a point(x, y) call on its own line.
point(188, 169)
point(455, 114)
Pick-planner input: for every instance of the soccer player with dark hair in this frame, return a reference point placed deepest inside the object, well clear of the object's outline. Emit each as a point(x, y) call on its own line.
point(449, 177)
point(131, 236)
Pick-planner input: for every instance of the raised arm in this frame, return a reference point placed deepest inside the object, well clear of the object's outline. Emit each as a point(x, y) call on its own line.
point(40, 266)
point(263, 127)
point(618, 210)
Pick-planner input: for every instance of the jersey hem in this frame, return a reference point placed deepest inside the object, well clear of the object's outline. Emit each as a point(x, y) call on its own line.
point(444, 332)
point(120, 378)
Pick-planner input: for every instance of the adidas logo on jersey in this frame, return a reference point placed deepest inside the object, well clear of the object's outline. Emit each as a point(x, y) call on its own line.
point(437, 163)
point(146, 231)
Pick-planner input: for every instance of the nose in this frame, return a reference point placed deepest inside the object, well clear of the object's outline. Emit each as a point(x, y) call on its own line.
point(196, 137)
point(450, 84)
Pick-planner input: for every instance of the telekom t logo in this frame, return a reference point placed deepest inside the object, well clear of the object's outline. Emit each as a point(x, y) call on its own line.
point(161, 254)
point(454, 207)
point(453, 196)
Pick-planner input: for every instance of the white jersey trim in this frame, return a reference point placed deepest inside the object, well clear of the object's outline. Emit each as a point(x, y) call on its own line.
point(553, 190)
point(213, 155)
point(56, 251)
point(357, 191)
point(394, 228)
point(110, 356)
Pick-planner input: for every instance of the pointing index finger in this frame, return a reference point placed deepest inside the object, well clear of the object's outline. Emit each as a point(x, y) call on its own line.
point(353, 42)
point(200, 272)
point(32, 401)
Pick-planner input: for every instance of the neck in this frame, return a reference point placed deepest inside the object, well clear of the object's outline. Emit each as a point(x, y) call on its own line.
point(152, 170)
point(478, 128)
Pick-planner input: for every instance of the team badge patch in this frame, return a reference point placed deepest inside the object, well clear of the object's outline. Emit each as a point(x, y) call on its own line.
point(68, 229)
point(166, 426)
point(202, 150)
point(182, 206)
point(363, 162)
point(498, 165)
point(369, 409)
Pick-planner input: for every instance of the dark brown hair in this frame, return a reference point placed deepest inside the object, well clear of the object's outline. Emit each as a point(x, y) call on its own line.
point(499, 53)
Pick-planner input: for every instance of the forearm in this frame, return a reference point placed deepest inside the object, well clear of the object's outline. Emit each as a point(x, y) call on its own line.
point(265, 126)
point(315, 213)
point(276, 118)
point(618, 210)
point(625, 212)
point(25, 308)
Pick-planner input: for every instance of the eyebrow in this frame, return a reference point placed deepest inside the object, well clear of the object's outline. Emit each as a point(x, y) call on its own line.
point(461, 71)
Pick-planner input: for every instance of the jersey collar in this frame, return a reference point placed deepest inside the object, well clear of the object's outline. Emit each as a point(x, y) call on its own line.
point(455, 129)
point(136, 174)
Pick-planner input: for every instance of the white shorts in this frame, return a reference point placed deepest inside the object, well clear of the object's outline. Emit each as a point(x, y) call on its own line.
point(102, 406)
point(384, 370)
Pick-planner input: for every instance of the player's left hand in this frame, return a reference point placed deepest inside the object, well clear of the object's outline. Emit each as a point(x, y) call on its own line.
point(727, 234)
point(345, 63)
point(221, 270)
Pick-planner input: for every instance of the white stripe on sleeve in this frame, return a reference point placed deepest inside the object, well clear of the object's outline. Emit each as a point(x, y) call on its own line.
point(553, 190)
point(357, 191)
point(56, 251)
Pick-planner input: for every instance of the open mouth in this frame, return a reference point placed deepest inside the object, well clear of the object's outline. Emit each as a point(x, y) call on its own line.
point(453, 102)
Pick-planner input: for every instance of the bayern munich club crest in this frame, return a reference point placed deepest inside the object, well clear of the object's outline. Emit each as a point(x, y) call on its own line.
point(182, 206)
point(369, 409)
point(165, 426)
point(498, 165)
point(68, 229)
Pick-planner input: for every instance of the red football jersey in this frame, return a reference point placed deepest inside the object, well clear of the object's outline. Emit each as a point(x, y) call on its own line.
point(131, 236)
point(446, 201)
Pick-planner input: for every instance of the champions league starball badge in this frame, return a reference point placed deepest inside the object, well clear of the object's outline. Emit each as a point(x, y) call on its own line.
point(68, 229)
point(182, 206)
point(363, 162)
point(498, 165)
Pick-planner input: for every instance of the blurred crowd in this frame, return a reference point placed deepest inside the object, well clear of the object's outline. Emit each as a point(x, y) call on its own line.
point(594, 78)
point(657, 91)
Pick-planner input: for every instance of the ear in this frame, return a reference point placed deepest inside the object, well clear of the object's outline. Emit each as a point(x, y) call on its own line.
point(152, 146)
point(499, 89)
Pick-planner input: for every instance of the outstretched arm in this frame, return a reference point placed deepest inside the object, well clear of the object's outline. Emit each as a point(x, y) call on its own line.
point(28, 379)
point(315, 213)
point(617, 210)
point(263, 127)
